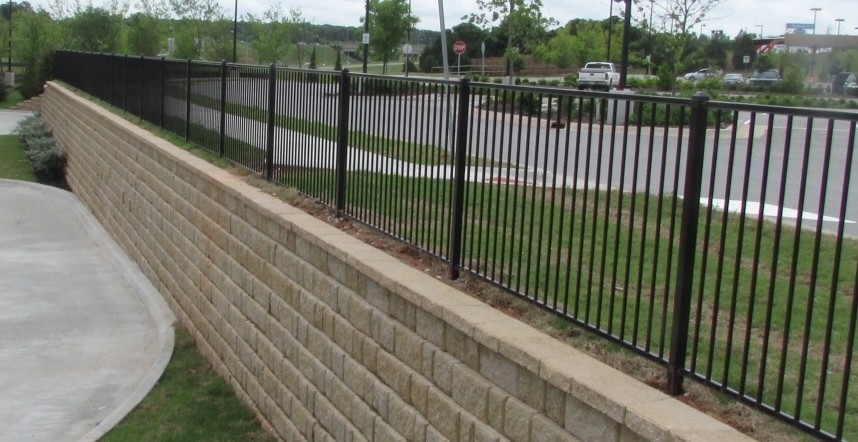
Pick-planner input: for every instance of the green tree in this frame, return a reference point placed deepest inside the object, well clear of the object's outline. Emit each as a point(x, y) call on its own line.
point(389, 22)
point(679, 19)
point(338, 65)
point(35, 39)
point(743, 46)
point(196, 25)
point(565, 50)
point(272, 32)
point(95, 29)
point(522, 22)
point(144, 34)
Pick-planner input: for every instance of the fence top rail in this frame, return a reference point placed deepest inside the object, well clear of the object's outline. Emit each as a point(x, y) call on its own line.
point(418, 79)
point(815, 112)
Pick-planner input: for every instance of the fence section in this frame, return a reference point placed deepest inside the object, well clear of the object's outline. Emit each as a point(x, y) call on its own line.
point(716, 239)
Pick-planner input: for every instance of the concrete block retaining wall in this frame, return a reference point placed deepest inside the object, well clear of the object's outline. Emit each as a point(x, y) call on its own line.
point(327, 338)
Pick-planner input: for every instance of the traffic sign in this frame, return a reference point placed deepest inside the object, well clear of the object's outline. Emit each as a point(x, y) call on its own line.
point(459, 47)
point(407, 49)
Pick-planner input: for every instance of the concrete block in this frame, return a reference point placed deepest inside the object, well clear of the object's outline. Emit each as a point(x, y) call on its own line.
point(409, 348)
point(393, 373)
point(384, 330)
point(471, 391)
point(443, 413)
point(587, 423)
point(517, 419)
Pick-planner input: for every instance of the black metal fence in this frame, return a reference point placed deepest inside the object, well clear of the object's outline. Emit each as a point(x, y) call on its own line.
point(717, 239)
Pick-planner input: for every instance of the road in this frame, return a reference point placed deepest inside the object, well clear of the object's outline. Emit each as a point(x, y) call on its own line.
point(649, 159)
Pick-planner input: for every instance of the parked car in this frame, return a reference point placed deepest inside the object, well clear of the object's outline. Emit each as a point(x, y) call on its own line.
point(598, 75)
point(733, 80)
point(765, 78)
point(702, 74)
point(850, 87)
point(838, 85)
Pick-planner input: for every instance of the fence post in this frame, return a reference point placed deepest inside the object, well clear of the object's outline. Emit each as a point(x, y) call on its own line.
point(222, 107)
point(163, 93)
point(342, 142)
point(460, 170)
point(140, 80)
point(188, 102)
point(269, 148)
point(687, 243)
point(124, 105)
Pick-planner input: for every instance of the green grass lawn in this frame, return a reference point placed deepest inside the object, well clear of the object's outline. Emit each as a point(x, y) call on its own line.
point(13, 165)
point(189, 403)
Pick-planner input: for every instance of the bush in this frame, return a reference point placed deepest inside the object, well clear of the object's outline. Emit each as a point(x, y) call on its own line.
point(44, 154)
point(3, 93)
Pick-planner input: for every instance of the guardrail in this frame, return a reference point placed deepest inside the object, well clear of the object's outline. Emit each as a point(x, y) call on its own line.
point(716, 239)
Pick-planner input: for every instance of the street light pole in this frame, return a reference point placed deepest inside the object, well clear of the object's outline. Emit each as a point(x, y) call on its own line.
point(839, 20)
point(627, 36)
point(815, 10)
point(761, 30)
point(702, 25)
point(235, 32)
point(9, 66)
point(610, 29)
point(649, 38)
point(366, 37)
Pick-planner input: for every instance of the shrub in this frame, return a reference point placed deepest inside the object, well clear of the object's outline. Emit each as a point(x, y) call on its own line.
point(3, 94)
point(44, 154)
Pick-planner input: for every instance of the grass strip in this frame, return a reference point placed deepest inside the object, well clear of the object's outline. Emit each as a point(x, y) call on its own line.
point(189, 403)
point(13, 164)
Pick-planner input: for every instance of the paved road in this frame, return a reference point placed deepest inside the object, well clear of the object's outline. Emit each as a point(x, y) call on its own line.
point(753, 168)
point(83, 334)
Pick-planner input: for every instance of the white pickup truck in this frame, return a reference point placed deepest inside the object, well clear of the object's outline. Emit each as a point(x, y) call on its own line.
point(598, 75)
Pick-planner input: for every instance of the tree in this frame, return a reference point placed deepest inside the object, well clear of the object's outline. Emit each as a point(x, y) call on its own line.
point(6, 11)
point(679, 18)
point(389, 22)
point(95, 30)
point(565, 50)
point(144, 34)
point(35, 40)
point(522, 22)
point(197, 18)
point(271, 33)
point(743, 46)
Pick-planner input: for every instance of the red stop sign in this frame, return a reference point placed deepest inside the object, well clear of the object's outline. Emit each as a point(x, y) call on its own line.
point(459, 47)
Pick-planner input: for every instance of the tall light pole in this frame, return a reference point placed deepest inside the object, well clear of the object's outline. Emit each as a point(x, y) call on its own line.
point(815, 10)
point(366, 37)
point(234, 32)
point(627, 37)
point(702, 25)
point(610, 28)
point(649, 38)
point(761, 30)
point(838, 20)
point(9, 67)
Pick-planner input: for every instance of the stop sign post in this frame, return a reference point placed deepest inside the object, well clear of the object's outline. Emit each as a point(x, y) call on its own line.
point(459, 48)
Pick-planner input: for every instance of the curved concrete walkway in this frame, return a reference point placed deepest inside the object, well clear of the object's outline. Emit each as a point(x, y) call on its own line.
point(83, 334)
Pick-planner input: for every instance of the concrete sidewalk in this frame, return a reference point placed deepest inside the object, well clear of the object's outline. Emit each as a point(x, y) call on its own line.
point(83, 334)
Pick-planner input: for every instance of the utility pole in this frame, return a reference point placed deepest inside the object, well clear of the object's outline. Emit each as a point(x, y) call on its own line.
point(366, 37)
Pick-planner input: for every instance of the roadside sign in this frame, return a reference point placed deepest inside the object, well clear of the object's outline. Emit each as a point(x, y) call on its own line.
point(459, 47)
point(365, 38)
point(407, 49)
point(746, 59)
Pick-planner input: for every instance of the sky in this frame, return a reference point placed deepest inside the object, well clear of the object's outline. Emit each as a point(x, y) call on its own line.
point(730, 16)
